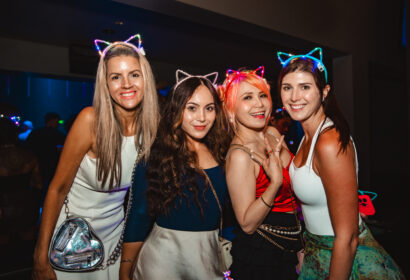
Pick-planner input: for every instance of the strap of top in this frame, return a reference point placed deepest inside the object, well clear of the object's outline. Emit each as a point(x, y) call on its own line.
point(323, 125)
point(217, 201)
point(245, 149)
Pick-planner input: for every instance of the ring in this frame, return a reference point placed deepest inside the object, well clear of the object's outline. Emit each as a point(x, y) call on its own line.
point(270, 152)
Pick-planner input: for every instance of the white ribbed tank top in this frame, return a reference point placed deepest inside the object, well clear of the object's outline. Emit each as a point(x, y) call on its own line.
point(309, 189)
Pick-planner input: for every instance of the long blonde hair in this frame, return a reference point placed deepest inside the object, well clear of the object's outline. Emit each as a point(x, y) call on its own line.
point(108, 128)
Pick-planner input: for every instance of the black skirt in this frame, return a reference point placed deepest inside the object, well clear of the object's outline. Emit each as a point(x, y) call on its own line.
point(254, 257)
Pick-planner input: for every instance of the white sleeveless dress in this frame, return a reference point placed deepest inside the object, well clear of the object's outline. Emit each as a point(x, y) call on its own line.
point(102, 208)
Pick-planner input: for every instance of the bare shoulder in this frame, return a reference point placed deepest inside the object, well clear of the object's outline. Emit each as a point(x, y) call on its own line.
point(83, 127)
point(328, 145)
point(85, 121)
point(87, 115)
point(240, 168)
point(328, 142)
point(238, 158)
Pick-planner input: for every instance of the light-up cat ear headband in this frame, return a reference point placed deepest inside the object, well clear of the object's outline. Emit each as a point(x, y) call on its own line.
point(108, 45)
point(285, 58)
point(183, 76)
point(232, 74)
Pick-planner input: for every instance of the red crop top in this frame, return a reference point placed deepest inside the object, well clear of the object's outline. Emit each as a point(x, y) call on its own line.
point(283, 200)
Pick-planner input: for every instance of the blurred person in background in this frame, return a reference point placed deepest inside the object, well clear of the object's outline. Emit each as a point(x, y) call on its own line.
point(46, 143)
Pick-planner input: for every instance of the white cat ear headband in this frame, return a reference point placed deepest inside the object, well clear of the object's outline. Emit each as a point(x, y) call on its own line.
point(99, 45)
point(285, 58)
point(182, 76)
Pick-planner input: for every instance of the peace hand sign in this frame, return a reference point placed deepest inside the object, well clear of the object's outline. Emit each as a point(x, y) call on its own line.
point(272, 164)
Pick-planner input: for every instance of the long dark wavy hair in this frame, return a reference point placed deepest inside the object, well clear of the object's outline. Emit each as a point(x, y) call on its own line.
point(172, 166)
point(330, 105)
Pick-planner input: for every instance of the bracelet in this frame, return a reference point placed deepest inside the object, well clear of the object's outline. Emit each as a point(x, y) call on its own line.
point(126, 260)
point(264, 202)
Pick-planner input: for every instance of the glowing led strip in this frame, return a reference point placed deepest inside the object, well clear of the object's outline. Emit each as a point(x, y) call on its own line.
point(285, 58)
point(231, 74)
point(108, 45)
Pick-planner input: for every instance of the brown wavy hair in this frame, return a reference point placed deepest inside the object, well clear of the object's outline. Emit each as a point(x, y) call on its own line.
point(172, 166)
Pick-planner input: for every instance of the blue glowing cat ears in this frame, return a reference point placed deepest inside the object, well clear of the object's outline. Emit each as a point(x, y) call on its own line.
point(285, 58)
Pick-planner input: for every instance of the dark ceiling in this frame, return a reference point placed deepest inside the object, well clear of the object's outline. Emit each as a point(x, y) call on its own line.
point(210, 42)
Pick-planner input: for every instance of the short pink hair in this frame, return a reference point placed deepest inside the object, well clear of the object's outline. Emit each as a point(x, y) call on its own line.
point(230, 88)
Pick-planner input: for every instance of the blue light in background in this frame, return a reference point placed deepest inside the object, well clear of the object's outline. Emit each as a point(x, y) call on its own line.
point(403, 37)
point(28, 86)
point(67, 89)
point(164, 91)
point(34, 95)
point(49, 87)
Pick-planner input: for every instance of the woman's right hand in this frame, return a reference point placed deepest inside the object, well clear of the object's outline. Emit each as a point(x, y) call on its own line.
point(42, 269)
point(272, 165)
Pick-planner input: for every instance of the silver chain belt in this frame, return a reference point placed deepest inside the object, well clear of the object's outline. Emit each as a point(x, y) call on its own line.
point(281, 230)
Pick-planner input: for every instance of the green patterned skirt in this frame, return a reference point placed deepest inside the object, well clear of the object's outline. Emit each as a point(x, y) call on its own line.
point(371, 260)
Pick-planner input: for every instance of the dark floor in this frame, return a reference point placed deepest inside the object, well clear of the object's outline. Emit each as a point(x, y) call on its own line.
point(16, 260)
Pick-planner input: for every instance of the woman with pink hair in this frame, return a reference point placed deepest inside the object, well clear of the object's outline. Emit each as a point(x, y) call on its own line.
point(267, 240)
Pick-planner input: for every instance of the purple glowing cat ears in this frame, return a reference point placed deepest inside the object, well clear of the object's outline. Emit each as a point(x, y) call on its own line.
point(182, 76)
point(285, 58)
point(103, 46)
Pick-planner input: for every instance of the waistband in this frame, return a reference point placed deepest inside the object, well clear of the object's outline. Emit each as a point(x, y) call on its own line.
point(326, 241)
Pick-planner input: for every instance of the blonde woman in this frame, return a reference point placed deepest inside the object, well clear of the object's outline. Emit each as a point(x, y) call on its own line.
point(95, 167)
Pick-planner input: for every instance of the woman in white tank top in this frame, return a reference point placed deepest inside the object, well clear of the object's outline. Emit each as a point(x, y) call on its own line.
point(324, 178)
point(94, 171)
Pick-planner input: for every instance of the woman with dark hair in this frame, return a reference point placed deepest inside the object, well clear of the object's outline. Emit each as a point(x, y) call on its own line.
point(94, 171)
point(324, 178)
point(266, 243)
point(178, 190)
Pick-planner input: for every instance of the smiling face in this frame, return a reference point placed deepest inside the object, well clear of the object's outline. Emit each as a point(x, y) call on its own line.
point(301, 97)
point(199, 114)
point(252, 107)
point(125, 81)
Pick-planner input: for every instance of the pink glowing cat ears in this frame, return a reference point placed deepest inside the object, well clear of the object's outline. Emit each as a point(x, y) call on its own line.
point(258, 72)
point(103, 46)
point(232, 75)
point(182, 76)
